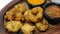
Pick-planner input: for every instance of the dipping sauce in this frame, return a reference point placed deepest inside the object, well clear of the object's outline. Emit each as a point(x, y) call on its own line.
point(53, 11)
point(35, 2)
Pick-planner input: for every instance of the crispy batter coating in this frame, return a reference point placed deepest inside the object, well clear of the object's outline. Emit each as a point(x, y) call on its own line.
point(26, 15)
point(38, 11)
point(27, 28)
point(40, 14)
point(9, 16)
point(13, 26)
point(42, 26)
point(34, 14)
point(10, 13)
point(35, 10)
point(22, 7)
point(19, 16)
point(19, 8)
point(29, 17)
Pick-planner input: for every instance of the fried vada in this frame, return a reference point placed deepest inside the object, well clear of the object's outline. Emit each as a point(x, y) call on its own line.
point(9, 16)
point(18, 16)
point(19, 8)
point(13, 26)
point(22, 7)
point(34, 14)
point(27, 28)
point(42, 26)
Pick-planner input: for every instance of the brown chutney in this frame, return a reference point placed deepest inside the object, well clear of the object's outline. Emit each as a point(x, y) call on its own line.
point(53, 11)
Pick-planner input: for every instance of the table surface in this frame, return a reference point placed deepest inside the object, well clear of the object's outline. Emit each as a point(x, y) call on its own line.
point(3, 3)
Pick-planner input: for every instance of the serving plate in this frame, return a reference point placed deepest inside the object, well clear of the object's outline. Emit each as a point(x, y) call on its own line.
point(51, 30)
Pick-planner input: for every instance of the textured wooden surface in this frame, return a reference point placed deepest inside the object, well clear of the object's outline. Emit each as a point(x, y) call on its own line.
point(2, 29)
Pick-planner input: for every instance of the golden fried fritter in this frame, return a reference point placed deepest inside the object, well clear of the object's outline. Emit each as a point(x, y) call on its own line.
point(9, 16)
point(33, 18)
point(42, 26)
point(17, 8)
point(22, 7)
point(35, 10)
point(13, 26)
point(29, 17)
point(10, 13)
point(19, 16)
point(34, 14)
point(38, 11)
point(26, 15)
point(27, 28)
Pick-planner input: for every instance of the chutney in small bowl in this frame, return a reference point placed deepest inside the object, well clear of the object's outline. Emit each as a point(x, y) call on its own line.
point(34, 3)
point(52, 13)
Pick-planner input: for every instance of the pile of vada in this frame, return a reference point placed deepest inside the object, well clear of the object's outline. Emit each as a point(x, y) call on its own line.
point(19, 13)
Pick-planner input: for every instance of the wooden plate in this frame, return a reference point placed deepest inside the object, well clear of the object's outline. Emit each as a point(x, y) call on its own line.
point(51, 30)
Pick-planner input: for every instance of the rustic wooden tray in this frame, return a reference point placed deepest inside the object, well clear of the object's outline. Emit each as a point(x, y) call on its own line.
point(51, 30)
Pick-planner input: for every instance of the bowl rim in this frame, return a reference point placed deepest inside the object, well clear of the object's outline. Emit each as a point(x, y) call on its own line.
point(36, 5)
point(50, 4)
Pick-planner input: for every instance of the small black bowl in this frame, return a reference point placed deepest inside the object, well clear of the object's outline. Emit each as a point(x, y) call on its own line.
point(32, 6)
point(51, 20)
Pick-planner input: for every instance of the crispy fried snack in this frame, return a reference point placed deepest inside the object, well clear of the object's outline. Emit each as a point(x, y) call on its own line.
point(19, 16)
point(42, 26)
point(29, 17)
point(38, 11)
point(9, 16)
point(22, 7)
point(10, 13)
point(34, 14)
point(27, 28)
point(13, 26)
